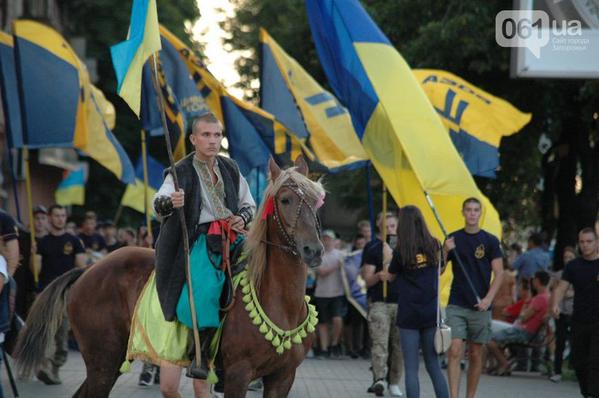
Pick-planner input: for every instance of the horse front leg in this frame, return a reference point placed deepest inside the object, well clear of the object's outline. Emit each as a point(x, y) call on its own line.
point(237, 379)
point(277, 385)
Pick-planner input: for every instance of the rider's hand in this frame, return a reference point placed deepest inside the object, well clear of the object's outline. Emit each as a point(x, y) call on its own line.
point(237, 224)
point(178, 199)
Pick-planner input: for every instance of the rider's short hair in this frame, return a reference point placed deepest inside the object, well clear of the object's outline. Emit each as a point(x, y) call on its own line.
point(207, 117)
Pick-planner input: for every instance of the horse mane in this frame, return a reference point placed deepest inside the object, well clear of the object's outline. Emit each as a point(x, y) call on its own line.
point(254, 244)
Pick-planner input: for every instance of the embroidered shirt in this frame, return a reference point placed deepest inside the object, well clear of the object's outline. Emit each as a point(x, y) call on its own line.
point(213, 194)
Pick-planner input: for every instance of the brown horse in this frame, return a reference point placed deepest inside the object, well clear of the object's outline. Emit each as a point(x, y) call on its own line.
point(100, 301)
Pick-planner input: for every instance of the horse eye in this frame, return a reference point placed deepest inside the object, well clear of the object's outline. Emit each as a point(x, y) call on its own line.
point(285, 201)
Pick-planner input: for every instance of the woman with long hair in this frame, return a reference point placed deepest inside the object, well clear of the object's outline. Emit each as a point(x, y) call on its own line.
point(415, 263)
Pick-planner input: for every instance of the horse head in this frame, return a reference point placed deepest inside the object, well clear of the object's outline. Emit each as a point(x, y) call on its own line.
point(294, 209)
point(286, 221)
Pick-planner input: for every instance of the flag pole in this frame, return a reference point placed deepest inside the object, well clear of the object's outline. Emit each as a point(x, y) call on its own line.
point(384, 236)
point(257, 196)
point(33, 245)
point(14, 183)
point(144, 157)
point(455, 252)
point(371, 215)
point(117, 215)
point(180, 213)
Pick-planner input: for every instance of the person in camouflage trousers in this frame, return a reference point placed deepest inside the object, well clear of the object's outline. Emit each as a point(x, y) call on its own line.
point(387, 359)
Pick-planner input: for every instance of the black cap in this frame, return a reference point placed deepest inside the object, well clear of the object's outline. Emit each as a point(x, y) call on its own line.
point(40, 209)
point(108, 223)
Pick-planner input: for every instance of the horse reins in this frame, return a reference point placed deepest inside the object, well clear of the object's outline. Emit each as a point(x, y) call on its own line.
point(291, 245)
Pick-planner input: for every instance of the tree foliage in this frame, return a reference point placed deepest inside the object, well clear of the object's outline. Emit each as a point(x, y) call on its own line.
point(459, 36)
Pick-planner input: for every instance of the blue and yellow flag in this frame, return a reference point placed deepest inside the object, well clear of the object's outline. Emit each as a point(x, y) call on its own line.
point(59, 105)
point(252, 133)
point(71, 190)
point(396, 123)
point(49, 84)
point(129, 56)
point(181, 99)
point(10, 92)
point(175, 121)
point(312, 113)
point(134, 194)
point(476, 120)
point(180, 83)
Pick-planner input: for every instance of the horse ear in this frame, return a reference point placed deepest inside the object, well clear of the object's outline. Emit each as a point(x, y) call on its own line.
point(275, 170)
point(301, 165)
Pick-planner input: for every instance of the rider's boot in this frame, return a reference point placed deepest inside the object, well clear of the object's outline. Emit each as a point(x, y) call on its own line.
point(193, 370)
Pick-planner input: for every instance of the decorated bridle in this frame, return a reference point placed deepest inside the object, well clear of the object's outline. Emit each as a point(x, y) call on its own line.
point(272, 208)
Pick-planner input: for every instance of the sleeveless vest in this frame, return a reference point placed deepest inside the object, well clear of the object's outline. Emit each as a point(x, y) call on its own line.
point(170, 260)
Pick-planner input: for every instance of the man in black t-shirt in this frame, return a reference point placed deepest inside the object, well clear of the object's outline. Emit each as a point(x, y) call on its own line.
point(468, 312)
point(382, 311)
point(94, 243)
point(583, 274)
point(60, 252)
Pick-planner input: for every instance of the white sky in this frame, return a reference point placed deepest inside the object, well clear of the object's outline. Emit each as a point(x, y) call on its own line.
point(207, 30)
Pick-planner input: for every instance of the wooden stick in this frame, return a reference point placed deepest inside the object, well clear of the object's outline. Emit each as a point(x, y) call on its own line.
point(180, 212)
point(144, 158)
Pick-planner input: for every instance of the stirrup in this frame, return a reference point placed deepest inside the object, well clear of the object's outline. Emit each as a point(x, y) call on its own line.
point(197, 372)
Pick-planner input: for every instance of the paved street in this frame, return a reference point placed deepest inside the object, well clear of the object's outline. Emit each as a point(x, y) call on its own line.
point(316, 379)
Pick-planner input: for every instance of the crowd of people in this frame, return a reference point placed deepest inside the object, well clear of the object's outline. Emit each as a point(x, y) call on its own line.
point(379, 299)
point(508, 310)
point(373, 303)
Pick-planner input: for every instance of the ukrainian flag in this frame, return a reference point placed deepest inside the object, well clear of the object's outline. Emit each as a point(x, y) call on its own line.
point(10, 92)
point(392, 116)
point(129, 56)
point(59, 105)
point(71, 190)
point(476, 120)
point(134, 194)
point(312, 113)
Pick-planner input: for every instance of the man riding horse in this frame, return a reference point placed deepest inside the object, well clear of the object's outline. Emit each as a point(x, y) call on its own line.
point(215, 197)
point(117, 317)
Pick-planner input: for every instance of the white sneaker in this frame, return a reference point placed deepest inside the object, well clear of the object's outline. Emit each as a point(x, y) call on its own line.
point(556, 378)
point(395, 391)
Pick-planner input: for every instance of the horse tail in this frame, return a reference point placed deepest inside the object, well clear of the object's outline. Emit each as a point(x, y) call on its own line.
point(44, 320)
